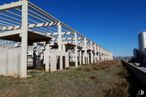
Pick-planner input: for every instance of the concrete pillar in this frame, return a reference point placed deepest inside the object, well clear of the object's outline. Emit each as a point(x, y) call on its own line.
point(53, 62)
point(59, 37)
point(94, 61)
point(97, 51)
point(91, 52)
point(104, 55)
point(67, 60)
point(24, 40)
point(76, 49)
point(80, 57)
point(85, 48)
point(100, 54)
point(95, 54)
point(85, 58)
point(46, 57)
point(63, 48)
point(61, 61)
point(101, 57)
point(96, 57)
point(88, 62)
point(60, 44)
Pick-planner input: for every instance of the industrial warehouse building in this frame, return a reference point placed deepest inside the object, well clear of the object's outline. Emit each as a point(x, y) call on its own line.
point(30, 36)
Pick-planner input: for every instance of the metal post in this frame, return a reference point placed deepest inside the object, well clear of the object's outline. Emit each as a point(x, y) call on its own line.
point(24, 40)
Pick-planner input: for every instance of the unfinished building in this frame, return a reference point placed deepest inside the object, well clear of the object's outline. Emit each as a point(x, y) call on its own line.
point(30, 36)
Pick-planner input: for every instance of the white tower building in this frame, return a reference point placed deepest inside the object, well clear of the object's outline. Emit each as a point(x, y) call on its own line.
point(142, 41)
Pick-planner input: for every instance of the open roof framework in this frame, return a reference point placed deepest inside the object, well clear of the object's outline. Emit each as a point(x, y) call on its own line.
point(42, 22)
point(24, 18)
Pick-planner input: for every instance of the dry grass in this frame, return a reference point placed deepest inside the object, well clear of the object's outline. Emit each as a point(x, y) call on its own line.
point(106, 79)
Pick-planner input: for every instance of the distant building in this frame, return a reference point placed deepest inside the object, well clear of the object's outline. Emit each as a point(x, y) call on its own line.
point(139, 55)
point(142, 42)
point(135, 53)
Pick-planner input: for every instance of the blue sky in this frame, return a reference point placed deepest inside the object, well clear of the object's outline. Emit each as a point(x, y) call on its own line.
point(114, 24)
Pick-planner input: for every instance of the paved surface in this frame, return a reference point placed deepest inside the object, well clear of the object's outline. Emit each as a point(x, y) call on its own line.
point(143, 69)
point(138, 72)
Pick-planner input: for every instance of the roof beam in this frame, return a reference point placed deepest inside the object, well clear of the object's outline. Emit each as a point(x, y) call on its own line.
point(37, 25)
point(11, 5)
point(10, 33)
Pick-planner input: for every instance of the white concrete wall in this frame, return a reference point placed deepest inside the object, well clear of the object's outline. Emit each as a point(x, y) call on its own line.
point(3, 61)
point(10, 61)
point(53, 54)
point(53, 62)
point(67, 60)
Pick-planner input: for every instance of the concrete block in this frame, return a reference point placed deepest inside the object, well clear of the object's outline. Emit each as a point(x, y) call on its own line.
point(67, 60)
point(13, 62)
point(53, 62)
point(3, 61)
